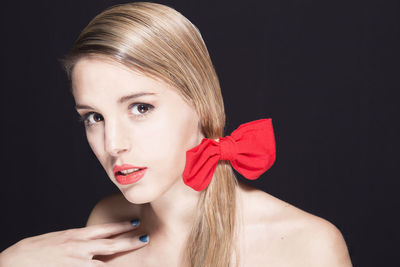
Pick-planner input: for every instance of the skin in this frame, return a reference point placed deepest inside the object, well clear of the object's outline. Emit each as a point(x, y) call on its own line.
point(156, 138)
point(72, 247)
point(274, 233)
point(156, 134)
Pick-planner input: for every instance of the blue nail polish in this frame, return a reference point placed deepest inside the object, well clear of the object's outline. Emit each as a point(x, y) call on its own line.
point(144, 238)
point(135, 222)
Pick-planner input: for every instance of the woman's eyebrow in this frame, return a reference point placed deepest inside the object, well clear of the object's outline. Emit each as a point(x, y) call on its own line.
point(128, 97)
point(120, 101)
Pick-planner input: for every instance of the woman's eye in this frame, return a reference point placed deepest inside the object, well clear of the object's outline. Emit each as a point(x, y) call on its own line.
point(138, 109)
point(91, 118)
point(141, 109)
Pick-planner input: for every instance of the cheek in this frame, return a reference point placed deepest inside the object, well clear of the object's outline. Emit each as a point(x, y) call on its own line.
point(167, 139)
point(160, 141)
point(96, 144)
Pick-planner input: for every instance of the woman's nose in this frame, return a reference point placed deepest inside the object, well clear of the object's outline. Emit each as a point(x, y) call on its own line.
point(116, 136)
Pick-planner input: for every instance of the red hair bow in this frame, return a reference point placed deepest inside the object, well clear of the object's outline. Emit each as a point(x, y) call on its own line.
point(250, 149)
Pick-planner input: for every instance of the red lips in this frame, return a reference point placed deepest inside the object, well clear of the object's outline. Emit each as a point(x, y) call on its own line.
point(133, 177)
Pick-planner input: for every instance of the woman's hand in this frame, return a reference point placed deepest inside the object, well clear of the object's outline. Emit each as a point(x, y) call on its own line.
point(73, 247)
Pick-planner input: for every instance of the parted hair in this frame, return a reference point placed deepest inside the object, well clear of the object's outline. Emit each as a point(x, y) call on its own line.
point(157, 40)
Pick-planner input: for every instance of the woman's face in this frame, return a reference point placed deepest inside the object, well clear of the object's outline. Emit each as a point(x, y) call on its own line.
point(133, 119)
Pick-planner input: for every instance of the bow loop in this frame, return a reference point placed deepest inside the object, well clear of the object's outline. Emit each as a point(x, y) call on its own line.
point(228, 148)
point(250, 150)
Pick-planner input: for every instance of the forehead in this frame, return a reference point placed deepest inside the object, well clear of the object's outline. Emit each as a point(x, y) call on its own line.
point(95, 75)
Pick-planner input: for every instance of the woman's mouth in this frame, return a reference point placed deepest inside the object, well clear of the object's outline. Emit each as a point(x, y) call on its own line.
point(128, 174)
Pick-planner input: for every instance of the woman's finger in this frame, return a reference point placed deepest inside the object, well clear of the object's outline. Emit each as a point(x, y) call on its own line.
point(104, 230)
point(113, 246)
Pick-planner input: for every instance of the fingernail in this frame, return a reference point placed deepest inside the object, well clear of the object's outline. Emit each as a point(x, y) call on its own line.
point(135, 222)
point(144, 238)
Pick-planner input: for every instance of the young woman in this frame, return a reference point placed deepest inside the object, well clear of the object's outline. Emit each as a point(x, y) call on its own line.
point(146, 89)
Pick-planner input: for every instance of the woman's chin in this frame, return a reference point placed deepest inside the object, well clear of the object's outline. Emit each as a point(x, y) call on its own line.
point(141, 193)
point(136, 195)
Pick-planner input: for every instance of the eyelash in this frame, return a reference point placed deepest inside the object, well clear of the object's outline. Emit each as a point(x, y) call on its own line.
point(85, 117)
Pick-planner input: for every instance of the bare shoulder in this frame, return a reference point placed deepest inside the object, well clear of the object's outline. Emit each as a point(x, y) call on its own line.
point(286, 233)
point(325, 244)
point(112, 208)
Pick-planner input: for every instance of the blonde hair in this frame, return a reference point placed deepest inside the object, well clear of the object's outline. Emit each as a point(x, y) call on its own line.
point(159, 41)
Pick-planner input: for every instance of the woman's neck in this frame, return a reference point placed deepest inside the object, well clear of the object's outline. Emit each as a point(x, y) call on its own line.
point(172, 214)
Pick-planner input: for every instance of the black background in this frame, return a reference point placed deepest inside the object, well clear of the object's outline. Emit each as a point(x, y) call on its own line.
point(326, 72)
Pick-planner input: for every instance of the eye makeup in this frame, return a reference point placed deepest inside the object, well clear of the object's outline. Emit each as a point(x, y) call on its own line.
point(142, 110)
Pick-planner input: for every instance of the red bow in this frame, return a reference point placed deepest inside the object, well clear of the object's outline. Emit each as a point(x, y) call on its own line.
point(250, 149)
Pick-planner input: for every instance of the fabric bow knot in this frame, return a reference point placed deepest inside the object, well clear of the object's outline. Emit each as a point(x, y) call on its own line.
point(250, 149)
